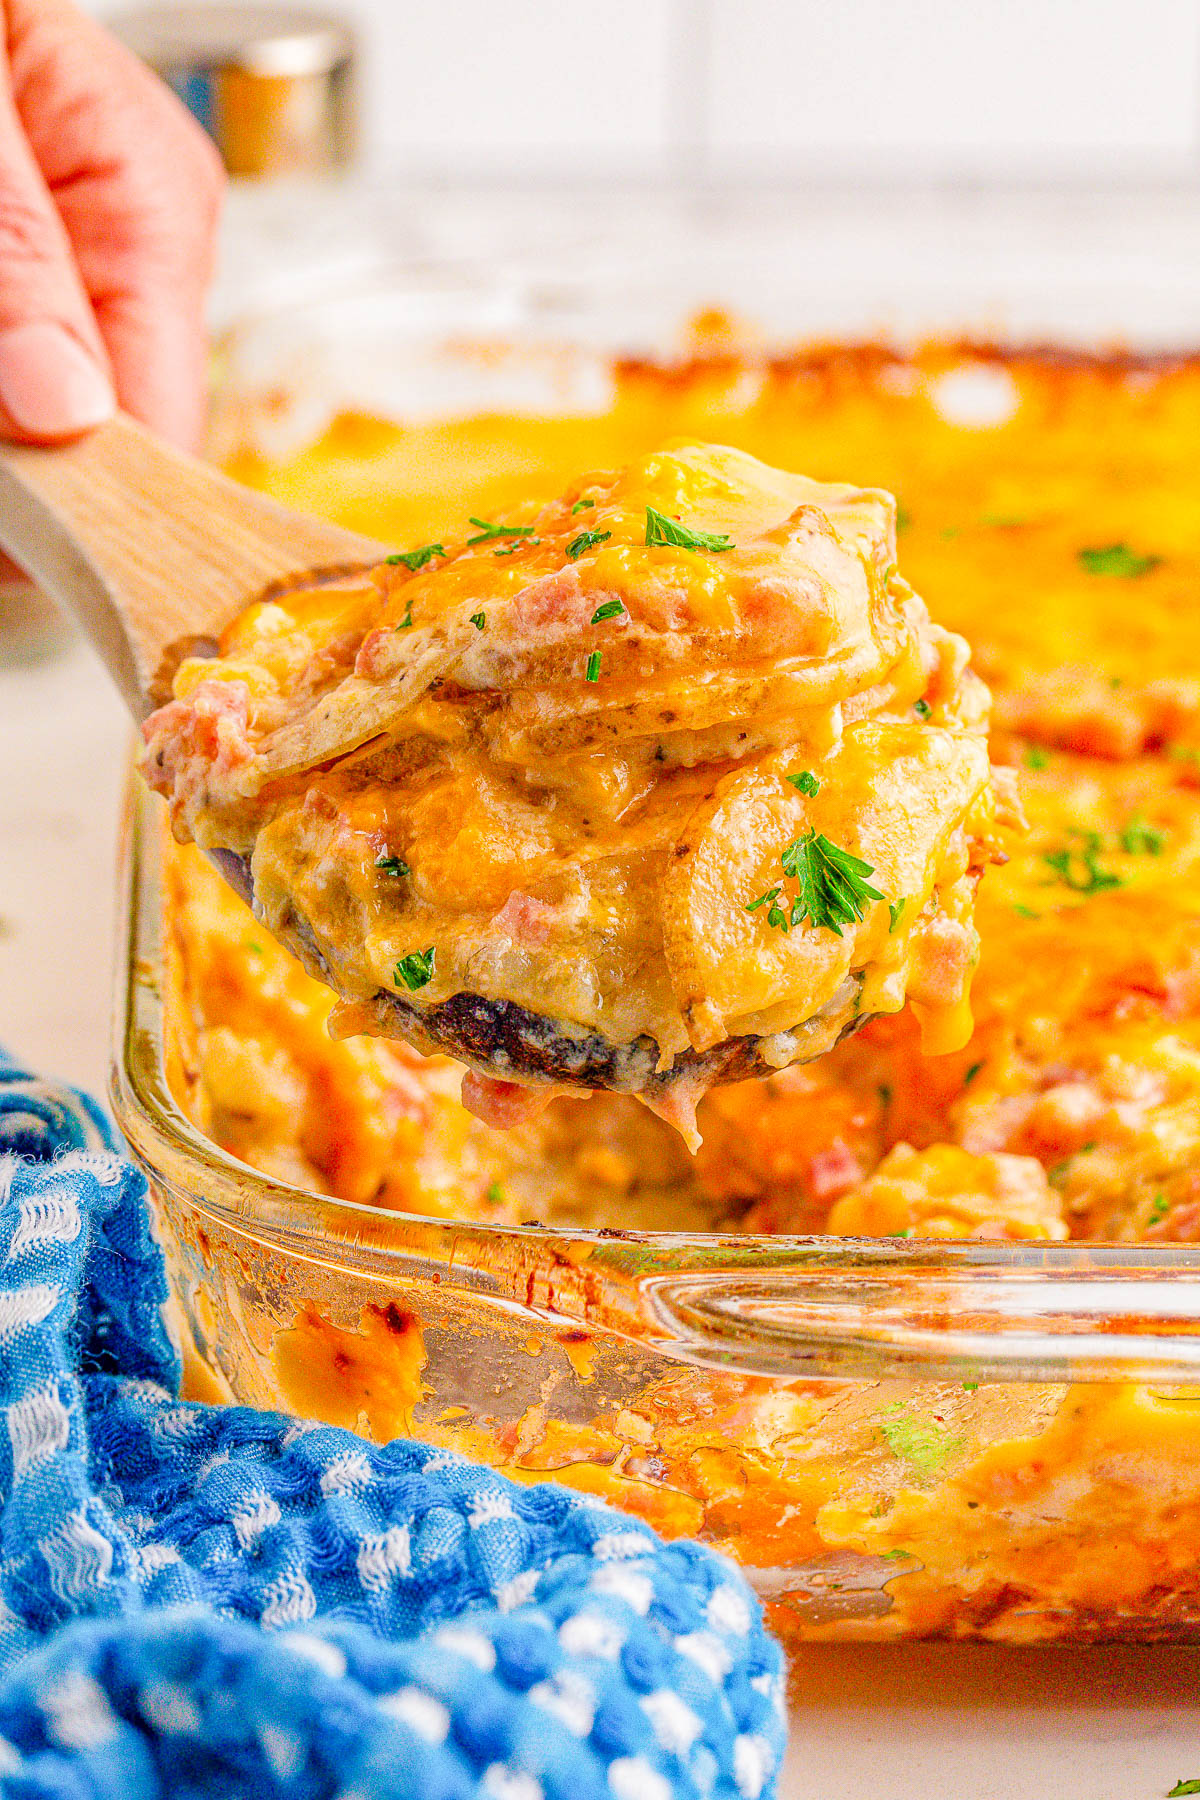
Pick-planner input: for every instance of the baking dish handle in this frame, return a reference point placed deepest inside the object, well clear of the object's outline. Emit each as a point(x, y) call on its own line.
point(962, 1312)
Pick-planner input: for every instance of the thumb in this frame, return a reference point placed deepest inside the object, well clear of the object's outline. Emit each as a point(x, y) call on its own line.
point(54, 373)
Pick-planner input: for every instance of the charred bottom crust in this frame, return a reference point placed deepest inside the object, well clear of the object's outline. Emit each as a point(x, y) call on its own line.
point(511, 1043)
point(507, 1041)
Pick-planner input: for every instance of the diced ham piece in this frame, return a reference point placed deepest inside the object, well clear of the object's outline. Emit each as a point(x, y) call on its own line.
point(503, 1104)
point(834, 1172)
point(944, 954)
point(525, 919)
point(194, 745)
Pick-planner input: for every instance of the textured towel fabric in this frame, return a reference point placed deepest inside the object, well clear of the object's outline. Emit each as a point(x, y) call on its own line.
point(202, 1601)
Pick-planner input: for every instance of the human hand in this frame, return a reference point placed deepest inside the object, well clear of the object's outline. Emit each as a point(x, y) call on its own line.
point(109, 197)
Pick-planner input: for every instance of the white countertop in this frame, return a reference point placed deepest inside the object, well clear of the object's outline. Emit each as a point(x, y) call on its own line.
point(882, 1723)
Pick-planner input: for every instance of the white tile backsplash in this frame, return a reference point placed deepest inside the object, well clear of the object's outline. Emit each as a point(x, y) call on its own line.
point(954, 85)
point(464, 85)
point(944, 88)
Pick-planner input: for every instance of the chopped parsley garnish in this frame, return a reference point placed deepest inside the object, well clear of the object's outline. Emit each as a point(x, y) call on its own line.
point(922, 708)
point(609, 610)
point(1140, 838)
point(414, 971)
point(832, 886)
point(661, 530)
point(903, 516)
point(1036, 757)
point(488, 531)
point(1079, 869)
point(253, 946)
point(416, 559)
point(587, 540)
point(580, 505)
point(1025, 912)
point(515, 545)
point(1184, 753)
point(971, 1073)
point(479, 620)
point(805, 782)
point(775, 913)
point(1118, 560)
point(392, 865)
point(1158, 1210)
point(406, 621)
point(592, 672)
point(1184, 1787)
point(895, 908)
point(495, 1193)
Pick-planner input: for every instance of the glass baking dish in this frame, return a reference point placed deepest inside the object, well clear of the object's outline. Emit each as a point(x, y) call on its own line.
point(854, 1420)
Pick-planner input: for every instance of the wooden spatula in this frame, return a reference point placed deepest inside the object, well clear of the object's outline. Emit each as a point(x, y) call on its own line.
point(153, 550)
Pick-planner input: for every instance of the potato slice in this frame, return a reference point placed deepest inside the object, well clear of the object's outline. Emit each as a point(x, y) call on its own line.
point(893, 793)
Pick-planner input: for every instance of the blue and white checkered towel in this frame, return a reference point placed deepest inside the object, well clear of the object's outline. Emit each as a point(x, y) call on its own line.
point(200, 1601)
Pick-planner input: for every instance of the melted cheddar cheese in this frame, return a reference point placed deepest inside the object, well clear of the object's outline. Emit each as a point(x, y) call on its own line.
point(561, 762)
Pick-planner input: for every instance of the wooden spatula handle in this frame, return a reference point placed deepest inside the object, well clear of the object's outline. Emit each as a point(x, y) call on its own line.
point(151, 548)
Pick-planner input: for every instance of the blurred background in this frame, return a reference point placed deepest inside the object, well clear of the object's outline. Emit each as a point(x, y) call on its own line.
point(1019, 166)
point(777, 90)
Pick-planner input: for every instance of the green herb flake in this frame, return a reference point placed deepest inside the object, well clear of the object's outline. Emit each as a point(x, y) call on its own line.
point(1078, 868)
point(923, 1445)
point(903, 516)
point(885, 1095)
point(1159, 1209)
point(1025, 912)
point(1036, 757)
point(611, 609)
point(660, 530)
point(969, 1387)
point(253, 946)
point(592, 672)
point(407, 620)
point(1116, 560)
point(1184, 1787)
point(580, 506)
point(495, 1193)
point(392, 865)
point(895, 908)
point(1183, 753)
point(922, 708)
point(515, 545)
point(416, 559)
point(971, 1073)
point(587, 540)
point(487, 531)
point(479, 620)
point(832, 884)
point(805, 782)
point(415, 971)
point(1140, 838)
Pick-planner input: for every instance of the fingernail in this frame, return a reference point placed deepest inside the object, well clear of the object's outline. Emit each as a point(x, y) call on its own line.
point(50, 386)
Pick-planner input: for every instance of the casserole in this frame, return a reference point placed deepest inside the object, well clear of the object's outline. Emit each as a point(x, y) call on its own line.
point(896, 1435)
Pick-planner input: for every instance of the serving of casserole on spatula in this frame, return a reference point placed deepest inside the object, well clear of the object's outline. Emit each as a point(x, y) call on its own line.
point(667, 782)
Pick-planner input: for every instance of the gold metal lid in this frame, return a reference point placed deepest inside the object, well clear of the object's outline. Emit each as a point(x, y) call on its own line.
point(273, 85)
